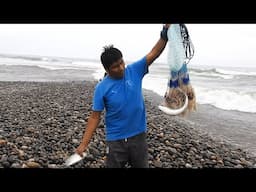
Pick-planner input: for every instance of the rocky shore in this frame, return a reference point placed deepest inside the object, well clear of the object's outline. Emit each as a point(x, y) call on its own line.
point(42, 123)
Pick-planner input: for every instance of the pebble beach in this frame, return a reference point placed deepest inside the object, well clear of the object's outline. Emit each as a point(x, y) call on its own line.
point(42, 123)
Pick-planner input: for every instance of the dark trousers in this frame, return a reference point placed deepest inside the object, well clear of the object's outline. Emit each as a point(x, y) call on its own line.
point(130, 152)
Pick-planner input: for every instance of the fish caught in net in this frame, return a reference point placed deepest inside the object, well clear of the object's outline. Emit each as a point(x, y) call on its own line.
point(179, 97)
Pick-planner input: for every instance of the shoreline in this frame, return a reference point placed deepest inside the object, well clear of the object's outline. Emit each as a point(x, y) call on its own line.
point(41, 124)
point(234, 127)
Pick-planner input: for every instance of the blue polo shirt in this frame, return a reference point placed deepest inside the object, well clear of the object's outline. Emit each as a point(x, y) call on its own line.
point(123, 101)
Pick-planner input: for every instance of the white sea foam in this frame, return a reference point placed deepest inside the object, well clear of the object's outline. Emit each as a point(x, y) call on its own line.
point(229, 89)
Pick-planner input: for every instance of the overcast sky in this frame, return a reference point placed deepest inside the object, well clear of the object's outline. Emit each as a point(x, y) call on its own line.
point(215, 44)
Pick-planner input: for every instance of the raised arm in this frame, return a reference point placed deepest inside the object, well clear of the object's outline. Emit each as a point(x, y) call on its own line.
point(159, 46)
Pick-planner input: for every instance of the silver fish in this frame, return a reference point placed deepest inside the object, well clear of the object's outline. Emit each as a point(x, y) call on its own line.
point(170, 111)
point(74, 159)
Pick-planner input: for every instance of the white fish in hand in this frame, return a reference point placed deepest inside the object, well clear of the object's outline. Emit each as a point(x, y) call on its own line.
point(74, 159)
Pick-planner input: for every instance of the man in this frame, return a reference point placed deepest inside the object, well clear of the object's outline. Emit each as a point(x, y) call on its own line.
point(120, 93)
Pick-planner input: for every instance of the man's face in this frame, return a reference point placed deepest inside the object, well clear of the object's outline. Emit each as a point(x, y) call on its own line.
point(116, 70)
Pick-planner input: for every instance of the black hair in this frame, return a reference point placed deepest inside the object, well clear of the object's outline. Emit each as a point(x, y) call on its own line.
point(110, 55)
